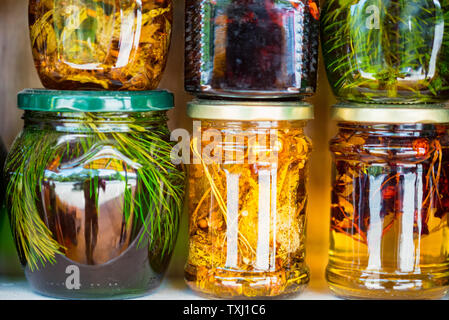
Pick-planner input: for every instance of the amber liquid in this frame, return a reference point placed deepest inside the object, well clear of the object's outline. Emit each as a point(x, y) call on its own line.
point(402, 250)
point(100, 45)
point(247, 218)
point(394, 267)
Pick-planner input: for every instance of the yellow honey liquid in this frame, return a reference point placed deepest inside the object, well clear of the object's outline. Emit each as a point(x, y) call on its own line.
point(100, 45)
point(399, 265)
point(389, 227)
point(247, 219)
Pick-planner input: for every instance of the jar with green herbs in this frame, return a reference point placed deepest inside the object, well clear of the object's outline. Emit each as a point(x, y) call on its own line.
point(100, 44)
point(389, 233)
point(3, 154)
point(389, 51)
point(93, 198)
point(9, 264)
point(247, 199)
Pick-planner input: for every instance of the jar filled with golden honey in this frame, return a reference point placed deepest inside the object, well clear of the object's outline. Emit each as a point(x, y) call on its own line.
point(101, 44)
point(247, 198)
point(390, 202)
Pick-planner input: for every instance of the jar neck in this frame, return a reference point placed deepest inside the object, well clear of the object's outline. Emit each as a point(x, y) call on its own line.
point(76, 122)
point(251, 125)
point(395, 130)
point(392, 143)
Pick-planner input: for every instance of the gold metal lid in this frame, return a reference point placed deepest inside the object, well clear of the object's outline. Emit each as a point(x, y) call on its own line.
point(388, 113)
point(250, 110)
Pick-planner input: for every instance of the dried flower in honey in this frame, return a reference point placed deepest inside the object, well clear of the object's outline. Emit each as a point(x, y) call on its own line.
point(93, 44)
point(247, 220)
point(389, 229)
point(386, 178)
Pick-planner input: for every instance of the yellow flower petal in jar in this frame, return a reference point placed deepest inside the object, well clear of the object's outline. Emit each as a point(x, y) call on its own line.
point(247, 219)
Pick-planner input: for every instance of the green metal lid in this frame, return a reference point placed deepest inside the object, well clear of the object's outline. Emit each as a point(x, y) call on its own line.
point(94, 101)
point(390, 113)
point(250, 110)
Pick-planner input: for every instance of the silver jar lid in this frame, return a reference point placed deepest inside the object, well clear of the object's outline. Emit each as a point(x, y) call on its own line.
point(250, 110)
point(390, 113)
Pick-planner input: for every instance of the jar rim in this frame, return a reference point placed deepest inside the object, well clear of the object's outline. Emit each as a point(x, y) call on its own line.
point(250, 110)
point(390, 113)
point(94, 101)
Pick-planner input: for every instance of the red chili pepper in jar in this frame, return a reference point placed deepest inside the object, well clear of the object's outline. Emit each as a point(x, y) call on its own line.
point(421, 146)
point(314, 11)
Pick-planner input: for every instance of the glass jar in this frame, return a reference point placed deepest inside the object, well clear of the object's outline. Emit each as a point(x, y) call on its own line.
point(247, 199)
point(251, 48)
point(390, 202)
point(3, 154)
point(101, 44)
point(9, 264)
point(93, 198)
point(387, 51)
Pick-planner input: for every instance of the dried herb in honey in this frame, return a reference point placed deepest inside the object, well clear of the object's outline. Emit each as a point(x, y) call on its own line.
point(389, 182)
point(247, 220)
point(387, 51)
point(389, 229)
point(92, 44)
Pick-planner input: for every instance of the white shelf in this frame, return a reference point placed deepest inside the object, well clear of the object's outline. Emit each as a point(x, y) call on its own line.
point(171, 289)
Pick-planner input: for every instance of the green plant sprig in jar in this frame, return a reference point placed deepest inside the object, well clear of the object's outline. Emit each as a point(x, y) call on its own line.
point(95, 188)
point(394, 51)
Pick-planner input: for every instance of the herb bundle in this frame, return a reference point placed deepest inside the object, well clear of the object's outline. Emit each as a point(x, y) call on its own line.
point(227, 256)
point(109, 45)
point(394, 51)
point(58, 176)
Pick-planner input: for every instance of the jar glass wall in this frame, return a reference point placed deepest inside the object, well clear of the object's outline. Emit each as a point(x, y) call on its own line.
point(106, 45)
point(390, 204)
point(387, 51)
point(93, 198)
point(9, 264)
point(247, 202)
point(251, 48)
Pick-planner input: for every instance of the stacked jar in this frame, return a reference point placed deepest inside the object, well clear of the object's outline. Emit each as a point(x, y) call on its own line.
point(93, 198)
point(250, 64)
point(387, 64)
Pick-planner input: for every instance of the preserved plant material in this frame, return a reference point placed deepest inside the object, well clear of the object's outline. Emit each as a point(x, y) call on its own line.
point(96, 192)
point(3, 154)
point(107, 44)
point(394, 51)
point(390, 200)
point(247, 218)
point(251, 48)
point(9, 264)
